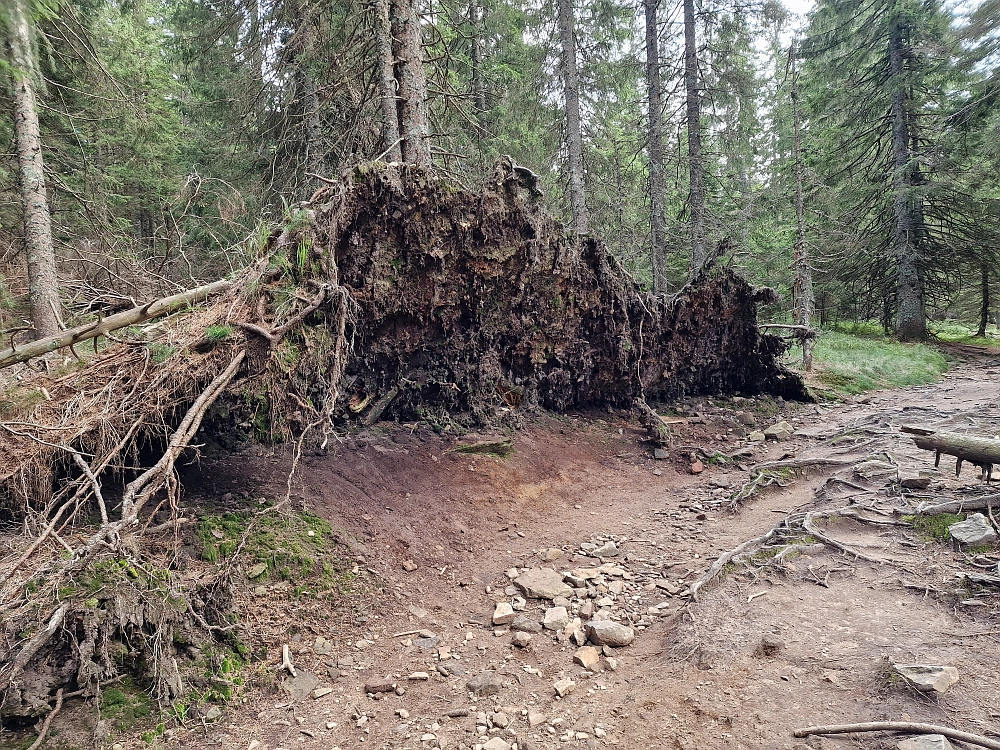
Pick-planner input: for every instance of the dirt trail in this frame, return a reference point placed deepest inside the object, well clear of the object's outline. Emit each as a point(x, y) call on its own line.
point(695, 676)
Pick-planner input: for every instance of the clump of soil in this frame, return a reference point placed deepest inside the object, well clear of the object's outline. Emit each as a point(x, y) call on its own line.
point(475, 304)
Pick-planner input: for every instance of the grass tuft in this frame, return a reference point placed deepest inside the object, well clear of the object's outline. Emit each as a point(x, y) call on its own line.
point(849, 364)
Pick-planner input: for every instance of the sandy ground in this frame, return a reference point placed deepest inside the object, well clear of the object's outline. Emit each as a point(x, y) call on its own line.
point(696, 675)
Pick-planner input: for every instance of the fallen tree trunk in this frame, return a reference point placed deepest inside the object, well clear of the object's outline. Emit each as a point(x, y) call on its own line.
point(111, 323)
point(979, 451)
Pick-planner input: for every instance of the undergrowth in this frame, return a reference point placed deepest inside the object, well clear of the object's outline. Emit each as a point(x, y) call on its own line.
point(846, 364)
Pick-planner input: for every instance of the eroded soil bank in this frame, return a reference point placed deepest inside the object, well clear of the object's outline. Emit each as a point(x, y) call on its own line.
point(696, 675)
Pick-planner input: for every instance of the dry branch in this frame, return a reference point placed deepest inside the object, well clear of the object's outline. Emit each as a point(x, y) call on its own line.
point(111, 323)
point(900, 726)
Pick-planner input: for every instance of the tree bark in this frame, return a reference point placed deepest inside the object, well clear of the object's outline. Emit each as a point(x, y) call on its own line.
point(312, 128)
point(657, 180)
point(574, 136)
point(804, 302)
point(911, 320)
point(387, 82)
point(696, 163)
point(411, 78)
point(984, 313)
point(43, 285)
point(478, 84)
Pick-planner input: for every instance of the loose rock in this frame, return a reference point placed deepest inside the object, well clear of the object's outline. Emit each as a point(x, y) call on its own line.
point(974, 530)
point(780, 431)
point(608, 633)
point(606, 550)
point(556, 618)
point(927, 678)
point(409, 566)
point(301, 685)
point(542, 583)
point(380, 685)
point(485, 683)
point(913, 481)
point(587, 657)
point(503, 614)
point(526, 624)
point(521, 640)
point(564, 687)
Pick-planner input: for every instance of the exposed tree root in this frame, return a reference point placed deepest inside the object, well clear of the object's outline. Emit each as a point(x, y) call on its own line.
point(900, 726)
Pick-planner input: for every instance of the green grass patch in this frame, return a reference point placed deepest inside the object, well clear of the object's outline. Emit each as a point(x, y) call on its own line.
point(934, 528)
point(848, 364)
point(217, 334)
point(954, 332)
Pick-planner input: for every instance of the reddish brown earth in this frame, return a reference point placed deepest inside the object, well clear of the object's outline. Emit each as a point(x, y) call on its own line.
point(694, 677)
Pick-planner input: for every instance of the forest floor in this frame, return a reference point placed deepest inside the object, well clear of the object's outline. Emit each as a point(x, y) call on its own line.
point(434, 533)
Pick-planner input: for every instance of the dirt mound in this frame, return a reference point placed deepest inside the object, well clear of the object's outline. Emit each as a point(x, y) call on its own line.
point(473, 303)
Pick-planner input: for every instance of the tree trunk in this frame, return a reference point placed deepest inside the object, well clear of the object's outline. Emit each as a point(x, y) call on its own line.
point(111, 323)
point(312, 128)
point(657, 180)
point(574, 137)
point(802, 289)
point(478, 84)
point(696, 163)
point(984, 313)
point(387, 82)
point(911, 321)
point(411, 79)
point(43, 286)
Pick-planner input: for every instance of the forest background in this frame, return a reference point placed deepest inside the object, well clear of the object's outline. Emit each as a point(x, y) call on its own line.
point(851, 156)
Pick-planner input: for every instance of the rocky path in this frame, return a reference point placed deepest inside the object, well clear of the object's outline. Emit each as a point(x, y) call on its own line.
point(538, 601)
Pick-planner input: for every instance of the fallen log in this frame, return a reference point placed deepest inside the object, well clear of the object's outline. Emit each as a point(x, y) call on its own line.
point(900, 726)
point(979, 451)
point(111, 323)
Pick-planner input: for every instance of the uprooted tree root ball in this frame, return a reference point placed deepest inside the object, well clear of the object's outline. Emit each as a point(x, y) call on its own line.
point(393, 295)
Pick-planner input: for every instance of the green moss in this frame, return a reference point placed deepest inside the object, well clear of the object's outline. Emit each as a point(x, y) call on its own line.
point(298, 548)
point(124, 706)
